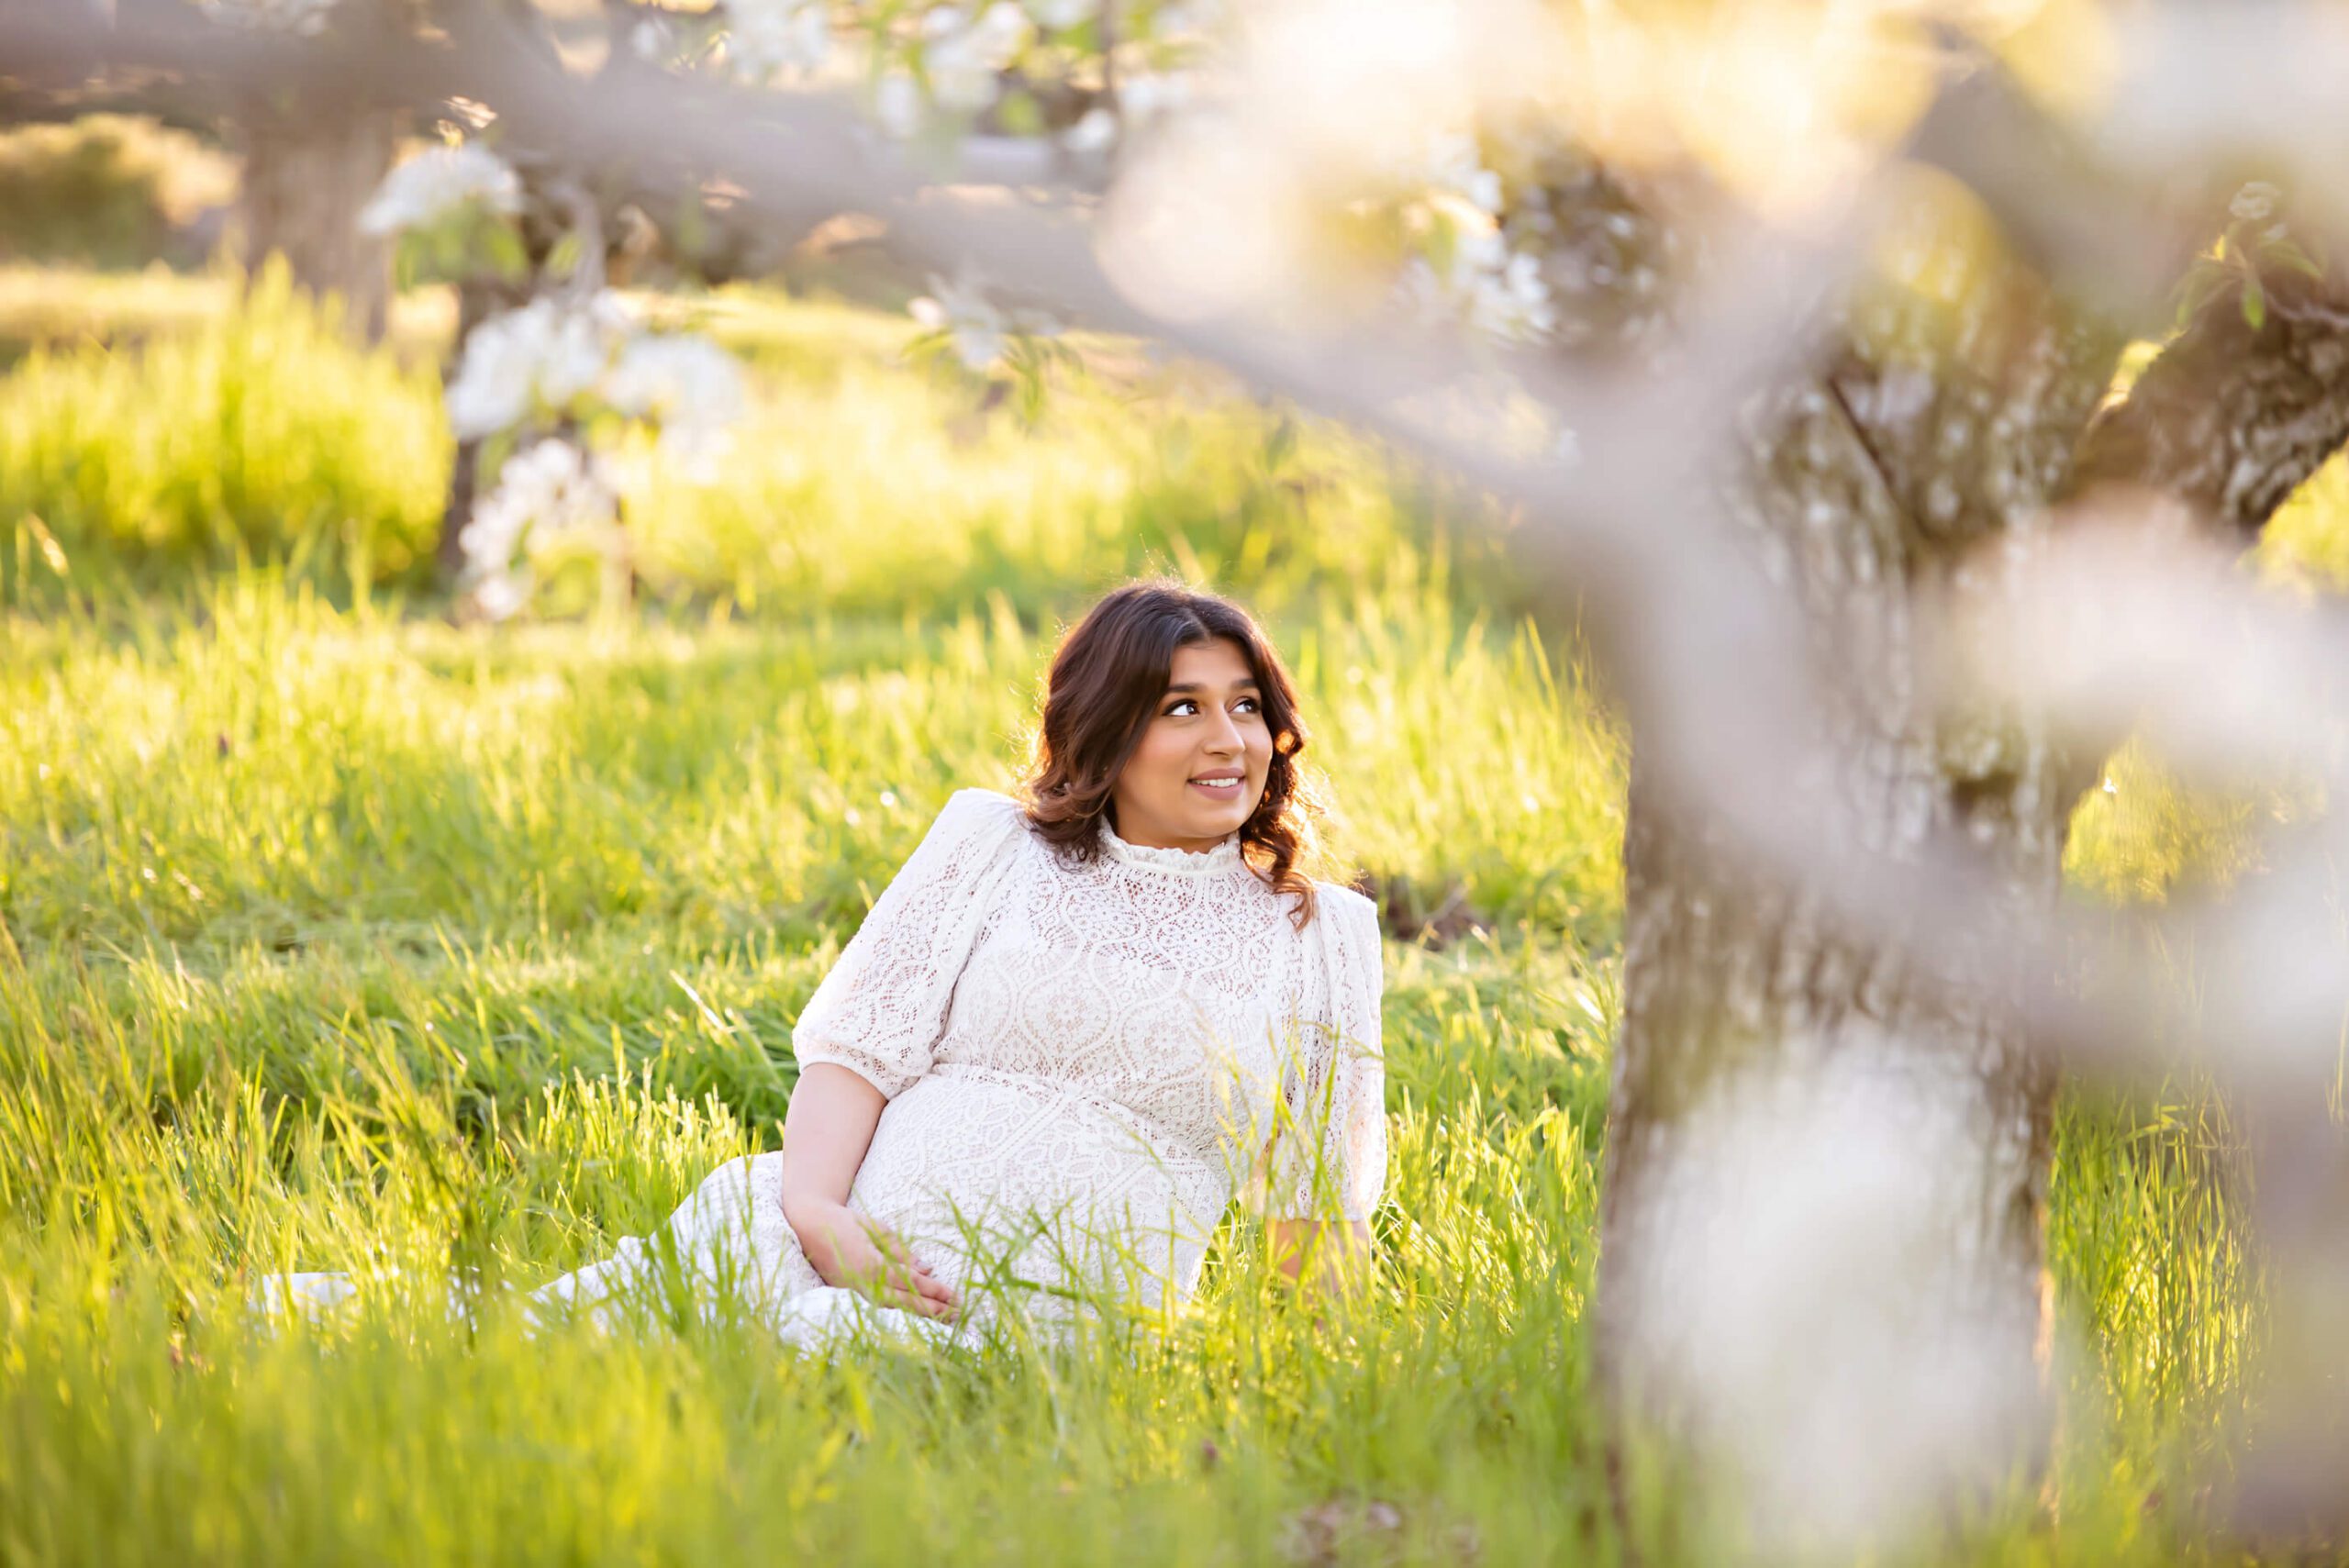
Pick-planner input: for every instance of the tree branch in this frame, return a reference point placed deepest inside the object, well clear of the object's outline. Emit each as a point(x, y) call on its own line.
point(2232, 418)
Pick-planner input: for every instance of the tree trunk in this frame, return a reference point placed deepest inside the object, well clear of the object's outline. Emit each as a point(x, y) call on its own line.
point(305, 179)
point(1850, 1302)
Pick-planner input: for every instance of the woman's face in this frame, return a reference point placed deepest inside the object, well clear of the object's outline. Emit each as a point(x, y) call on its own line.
point(1209, 725)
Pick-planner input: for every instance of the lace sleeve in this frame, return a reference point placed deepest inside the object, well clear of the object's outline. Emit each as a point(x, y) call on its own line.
point(1328, 1153)
point(882, 1008)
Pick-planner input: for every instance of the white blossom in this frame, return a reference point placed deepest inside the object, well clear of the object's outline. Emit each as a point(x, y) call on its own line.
point(548, 489)
point(650, 39)
point(1189, 19)
point(438, 182)
point(499, 595)
point(1060, 15)
point(1494, 290)
point(977, 328)
point(305, 18)
point(1092, 133)
point(543, 355)
point(1453, 165)
point(687, 384)
point(768, 38)
point(1144, 96)
point(2255, 203)
point(896, 103)
point(965, 57)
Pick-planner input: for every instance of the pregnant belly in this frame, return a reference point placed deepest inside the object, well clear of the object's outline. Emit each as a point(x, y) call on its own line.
point(1028, 1184)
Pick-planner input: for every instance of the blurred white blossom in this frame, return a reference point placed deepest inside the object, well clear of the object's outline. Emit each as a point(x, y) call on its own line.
point(685, 384)
point(765, 38)
point(964, 56)
point(979, 330)
point(438, 182)
point(1798, 1297)
point(547, 490)
point(1145, 96)
point(896, 103)
point(1057, 14)
point(305, 18)
point(1187, 19)
point(2255, 203)
point(1092, 133)
point(499, 595)
point(1482, 282)
point(1453, 165)
point(544, 355)
point(652, 39)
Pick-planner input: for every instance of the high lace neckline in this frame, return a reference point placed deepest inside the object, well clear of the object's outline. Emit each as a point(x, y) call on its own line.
point(1221, 856)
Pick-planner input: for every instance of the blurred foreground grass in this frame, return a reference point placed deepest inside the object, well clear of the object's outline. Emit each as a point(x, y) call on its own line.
point(333, 936)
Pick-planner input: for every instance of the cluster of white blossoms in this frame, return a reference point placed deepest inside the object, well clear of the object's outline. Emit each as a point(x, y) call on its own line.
point(438, 182)
point(551, 358)
point(540, 359)
point(1453, 166)
point(767, 38)
point(1059, 16)
point(964, 56)
point(980, 330)
point(977, 328)
point(1483, 283)
point(680, 382)
point(306, 18)
point(1468, 273)
point(552, 361)
point(546, 492)
point(961, 55)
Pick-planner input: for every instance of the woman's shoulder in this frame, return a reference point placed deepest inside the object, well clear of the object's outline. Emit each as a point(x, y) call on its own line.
point(1349, 910)
point(974, 804)
point(984, 818)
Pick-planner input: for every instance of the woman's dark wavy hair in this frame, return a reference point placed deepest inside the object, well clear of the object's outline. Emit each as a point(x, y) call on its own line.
point(1105, 686)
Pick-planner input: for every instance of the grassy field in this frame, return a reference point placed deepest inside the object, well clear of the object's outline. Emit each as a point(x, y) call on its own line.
point(333, 936)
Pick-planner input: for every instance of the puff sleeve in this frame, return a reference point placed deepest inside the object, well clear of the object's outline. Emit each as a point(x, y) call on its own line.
point(1327, 1156)
point(882, 1009)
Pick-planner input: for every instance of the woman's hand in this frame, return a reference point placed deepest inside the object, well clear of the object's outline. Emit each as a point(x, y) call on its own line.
point(826, 1132)
point(856, 1253)
point(1328, 1261)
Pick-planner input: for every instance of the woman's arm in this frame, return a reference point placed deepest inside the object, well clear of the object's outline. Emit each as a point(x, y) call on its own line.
point(826, 1130)
point(1337, 1252)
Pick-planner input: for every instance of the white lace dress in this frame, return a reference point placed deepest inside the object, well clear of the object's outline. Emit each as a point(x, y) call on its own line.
point(1082, 1064)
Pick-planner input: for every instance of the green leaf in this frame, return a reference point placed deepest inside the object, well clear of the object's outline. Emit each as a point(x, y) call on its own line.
point(2195, 291)
point(506, 256)
point(563, 259)
point(2254, 302)
point(2287, 254)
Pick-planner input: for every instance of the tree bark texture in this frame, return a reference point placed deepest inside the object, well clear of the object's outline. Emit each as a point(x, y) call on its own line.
point(305, 178)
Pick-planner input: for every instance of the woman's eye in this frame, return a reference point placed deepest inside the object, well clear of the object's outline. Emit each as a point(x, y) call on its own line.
point(1182, 703)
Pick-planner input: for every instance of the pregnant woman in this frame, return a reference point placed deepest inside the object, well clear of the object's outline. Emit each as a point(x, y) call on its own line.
point(1070, 1029)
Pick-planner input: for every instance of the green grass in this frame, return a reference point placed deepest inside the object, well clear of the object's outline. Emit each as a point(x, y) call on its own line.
point(334, 938)
point(163, 429)
point(332, 935)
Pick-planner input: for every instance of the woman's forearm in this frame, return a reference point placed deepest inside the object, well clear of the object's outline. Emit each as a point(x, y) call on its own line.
point(826, 1130)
